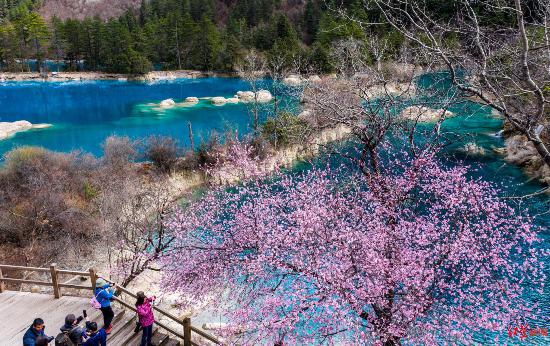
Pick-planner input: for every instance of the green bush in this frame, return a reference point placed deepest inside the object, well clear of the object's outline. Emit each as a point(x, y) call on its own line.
point(284, 130)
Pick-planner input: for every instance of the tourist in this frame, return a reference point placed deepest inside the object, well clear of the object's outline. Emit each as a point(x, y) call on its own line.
point(104, 293)
point(146, 317)
point(41, 341)
point(94, 337)
point(35, 331)
point(71, 332)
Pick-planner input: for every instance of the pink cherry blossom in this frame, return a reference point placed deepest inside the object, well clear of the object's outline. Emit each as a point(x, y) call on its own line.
point(417, 254)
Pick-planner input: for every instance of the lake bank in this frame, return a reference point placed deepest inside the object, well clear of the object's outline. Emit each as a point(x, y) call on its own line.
point(89, 76)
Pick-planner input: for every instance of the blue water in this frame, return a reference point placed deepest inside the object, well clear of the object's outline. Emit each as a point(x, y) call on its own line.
point(83, 114)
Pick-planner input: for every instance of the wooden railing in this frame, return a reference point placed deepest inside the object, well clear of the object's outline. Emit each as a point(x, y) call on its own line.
point(54, 273)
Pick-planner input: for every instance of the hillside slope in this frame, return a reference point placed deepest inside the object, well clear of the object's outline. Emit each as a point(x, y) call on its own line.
point(80, 9)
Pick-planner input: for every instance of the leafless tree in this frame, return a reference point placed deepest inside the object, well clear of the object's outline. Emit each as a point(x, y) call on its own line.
point(505, 62)
point(349, 57)
point(378, 47)
point(370, 104)
point(140, 234)
point(252, 69)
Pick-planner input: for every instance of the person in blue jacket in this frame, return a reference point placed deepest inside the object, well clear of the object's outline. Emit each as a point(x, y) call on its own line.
point(104, 293)
point(35, 330)
point(94, 337)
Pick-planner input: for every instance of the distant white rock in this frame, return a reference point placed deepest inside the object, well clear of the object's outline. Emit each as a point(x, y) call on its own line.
point(425, 114)
point(167, 103)
point(306, 113)
point(218, 100)
point(314, 79)
point(293, 80)
point(122, 79)
point(245, 96)
point(8, 129)
point(232, 100)
point(191, 99)
point(473, 149)
point(263, 96)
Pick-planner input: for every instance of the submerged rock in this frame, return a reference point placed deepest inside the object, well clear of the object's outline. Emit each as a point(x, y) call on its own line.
point(245, 96)
point(262, 96)
point(218, 100)
point(293, 80)
point(232, 100)
point(473, 149)
point(314, 79)
point(520, 151)
point(8, 129)
point(191, 99)
point(167, 103)
point(425, 114)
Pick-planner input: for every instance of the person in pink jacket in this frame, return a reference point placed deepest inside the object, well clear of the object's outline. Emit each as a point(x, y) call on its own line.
point(146, 317)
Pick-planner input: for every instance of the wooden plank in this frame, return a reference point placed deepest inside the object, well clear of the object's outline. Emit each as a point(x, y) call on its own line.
point(22, 268)
point(205, 335)
point(28, 306)
point(187, 331)
point(167, 328)
point(23, 281)
point(129, 306)
point(78, 287)
point(2, 287)
point(55, 283)
point(73, 272)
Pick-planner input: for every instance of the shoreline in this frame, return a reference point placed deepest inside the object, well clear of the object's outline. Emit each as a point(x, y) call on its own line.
point(91, 76)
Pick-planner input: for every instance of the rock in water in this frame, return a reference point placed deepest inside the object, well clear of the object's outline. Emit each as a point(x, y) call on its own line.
point(424, 114)
point(232, 100)
point(474, 149)
point(264, 96)
point(167, 103)
point(314, 79)
point(191, 99)
point(245, 96)
point(218, 101)
point(8, 129)
point(293, 80)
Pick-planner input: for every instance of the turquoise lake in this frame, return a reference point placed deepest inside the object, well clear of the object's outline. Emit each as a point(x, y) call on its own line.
point(83, 114)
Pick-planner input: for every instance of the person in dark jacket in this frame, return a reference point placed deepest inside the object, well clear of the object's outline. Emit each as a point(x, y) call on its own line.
point(72, 329)
point(104, 292)
point(41, 341)
point(34, 331)
point(94, 337)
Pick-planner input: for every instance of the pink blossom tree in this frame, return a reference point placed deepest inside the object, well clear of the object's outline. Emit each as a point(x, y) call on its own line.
point(413, 254)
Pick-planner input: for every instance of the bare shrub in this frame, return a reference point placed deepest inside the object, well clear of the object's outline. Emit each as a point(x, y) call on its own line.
point(118, 152)
point(44, 206)
point(162, 151)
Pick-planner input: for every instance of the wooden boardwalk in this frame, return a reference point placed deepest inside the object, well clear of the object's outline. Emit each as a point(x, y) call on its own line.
point(19, 309)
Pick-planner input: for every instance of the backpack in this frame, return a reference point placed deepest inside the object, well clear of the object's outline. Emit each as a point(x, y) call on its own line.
point(94, 302)
point(63, 339)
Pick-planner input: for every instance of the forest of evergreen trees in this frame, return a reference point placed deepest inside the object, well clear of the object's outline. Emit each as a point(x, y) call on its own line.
point(177, 34)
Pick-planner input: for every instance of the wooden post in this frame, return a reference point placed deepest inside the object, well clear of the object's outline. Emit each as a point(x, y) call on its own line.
point(93, 278)
point(2, 287)
point(187, 331)
point(191, 141)
point(53, 272)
